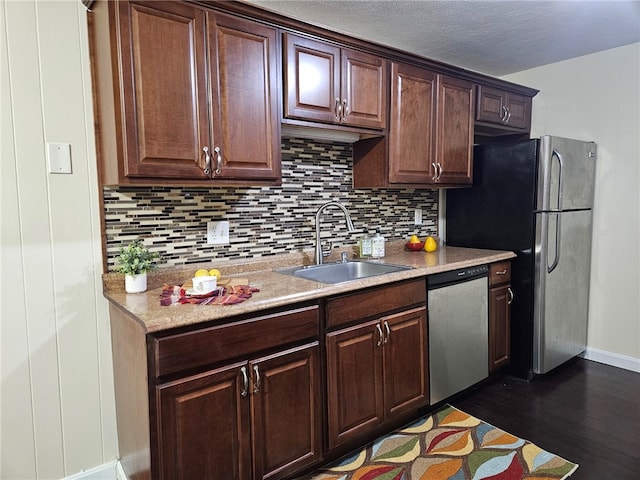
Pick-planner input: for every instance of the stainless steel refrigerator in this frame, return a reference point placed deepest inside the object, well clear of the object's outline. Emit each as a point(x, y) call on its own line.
point(534, 197)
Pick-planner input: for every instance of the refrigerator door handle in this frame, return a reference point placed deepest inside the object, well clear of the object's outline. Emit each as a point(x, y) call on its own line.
point(556, 259)
point(560, 161)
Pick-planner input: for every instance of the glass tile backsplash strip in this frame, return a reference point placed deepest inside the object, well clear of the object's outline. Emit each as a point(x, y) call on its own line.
point(264, 221)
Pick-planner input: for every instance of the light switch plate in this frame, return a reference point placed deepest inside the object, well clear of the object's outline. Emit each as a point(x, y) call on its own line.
point(417, 217)
point(218, 233)
point(59, 157)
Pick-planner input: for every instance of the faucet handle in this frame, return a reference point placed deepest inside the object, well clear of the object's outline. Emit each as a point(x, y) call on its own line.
point(343, 257)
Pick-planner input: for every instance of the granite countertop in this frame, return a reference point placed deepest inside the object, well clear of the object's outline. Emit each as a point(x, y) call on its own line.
point(276, 289)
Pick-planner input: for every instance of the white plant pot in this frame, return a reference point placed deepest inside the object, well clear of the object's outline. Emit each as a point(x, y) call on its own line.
point(135, 283)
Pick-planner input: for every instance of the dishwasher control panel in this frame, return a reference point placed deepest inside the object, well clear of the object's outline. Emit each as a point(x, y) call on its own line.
point(454, 276)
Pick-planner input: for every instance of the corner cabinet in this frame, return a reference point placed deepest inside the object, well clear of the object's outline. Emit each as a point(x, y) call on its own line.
point(430, 139)
point(326, 83)
point(377, 360)
point(500, 298)
point(176, 102)
point(500, 107)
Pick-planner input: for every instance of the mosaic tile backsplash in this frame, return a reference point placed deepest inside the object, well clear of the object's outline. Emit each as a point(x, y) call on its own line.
point(265, 221)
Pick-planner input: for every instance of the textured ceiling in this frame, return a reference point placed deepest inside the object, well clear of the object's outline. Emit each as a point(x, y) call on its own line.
point(488, 36)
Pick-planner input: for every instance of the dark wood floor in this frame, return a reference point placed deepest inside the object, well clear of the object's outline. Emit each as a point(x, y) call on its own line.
point(586, 412)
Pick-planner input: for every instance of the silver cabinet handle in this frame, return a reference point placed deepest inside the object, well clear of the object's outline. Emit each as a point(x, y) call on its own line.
point(338, 110)
point(387, 331)
point(439, 171)
point(380, 335)
point(256, 379)
point(501, 272)
point(508, 115)
point(245, 382)
point(503, 117)
point(510, 295)
point(345, 110)
point(207, 161)
point(218, 161)
point(435, 172)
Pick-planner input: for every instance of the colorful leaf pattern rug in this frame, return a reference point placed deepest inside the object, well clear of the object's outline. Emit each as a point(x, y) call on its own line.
point(448, 445)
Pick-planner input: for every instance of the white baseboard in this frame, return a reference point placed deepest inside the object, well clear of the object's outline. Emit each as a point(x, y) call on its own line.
point(613, 359)
point(109, 471)
point(120, 474)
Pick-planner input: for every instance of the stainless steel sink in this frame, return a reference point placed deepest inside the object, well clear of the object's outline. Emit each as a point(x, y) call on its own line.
point(342, 272)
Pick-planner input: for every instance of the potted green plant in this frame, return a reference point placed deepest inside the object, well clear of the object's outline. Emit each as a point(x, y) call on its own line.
point(135, 261)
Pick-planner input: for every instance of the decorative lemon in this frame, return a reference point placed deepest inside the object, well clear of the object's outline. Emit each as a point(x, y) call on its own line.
point(201, 273)
point(430, 245)
point(414, 239)
point(214, 272)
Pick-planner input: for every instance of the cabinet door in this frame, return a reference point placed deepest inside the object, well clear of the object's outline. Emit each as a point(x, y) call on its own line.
point(406, 361)
point(204, 426)
point(163, 85)
point(286, 411)
point(491, 105)
point(454, 139)
point(412, 124)
point(499, 327)
point(312, 79)
point(364, 89)
point(519, 108)
point(354, 382)
point(245, 114)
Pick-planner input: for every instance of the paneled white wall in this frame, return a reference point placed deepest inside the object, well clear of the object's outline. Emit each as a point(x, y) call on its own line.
point(58, 410)
point(597, 97)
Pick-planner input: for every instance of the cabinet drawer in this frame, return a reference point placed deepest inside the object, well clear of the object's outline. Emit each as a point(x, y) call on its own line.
point(193, 349)
point(499, 273)
point(376, 301)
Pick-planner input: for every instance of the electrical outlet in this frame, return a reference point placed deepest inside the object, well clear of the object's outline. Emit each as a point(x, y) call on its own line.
point(218, 233)
point(417, 216)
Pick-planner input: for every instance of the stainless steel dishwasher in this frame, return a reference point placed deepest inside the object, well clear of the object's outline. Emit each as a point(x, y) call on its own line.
point(458, 330)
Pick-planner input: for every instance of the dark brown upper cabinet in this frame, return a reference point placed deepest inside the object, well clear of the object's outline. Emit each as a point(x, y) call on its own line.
point(329, 84)
point(430, 137)
point(184, 95)
point(504, 108)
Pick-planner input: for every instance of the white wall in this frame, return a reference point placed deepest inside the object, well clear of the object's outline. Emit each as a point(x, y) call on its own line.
point(58, 409)
point(597, 97)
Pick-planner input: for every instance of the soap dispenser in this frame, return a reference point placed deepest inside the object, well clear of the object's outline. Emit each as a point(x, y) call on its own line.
point(377, 246)
point(365, 246)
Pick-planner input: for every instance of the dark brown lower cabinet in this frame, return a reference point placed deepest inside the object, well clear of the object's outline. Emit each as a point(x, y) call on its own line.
point(377, 370)
point(236, 399)
point(258, 419)
point(500, 298)
point(205, 426)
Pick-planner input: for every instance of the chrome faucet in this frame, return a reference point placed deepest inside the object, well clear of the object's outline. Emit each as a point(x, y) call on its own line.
point(320, 253)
